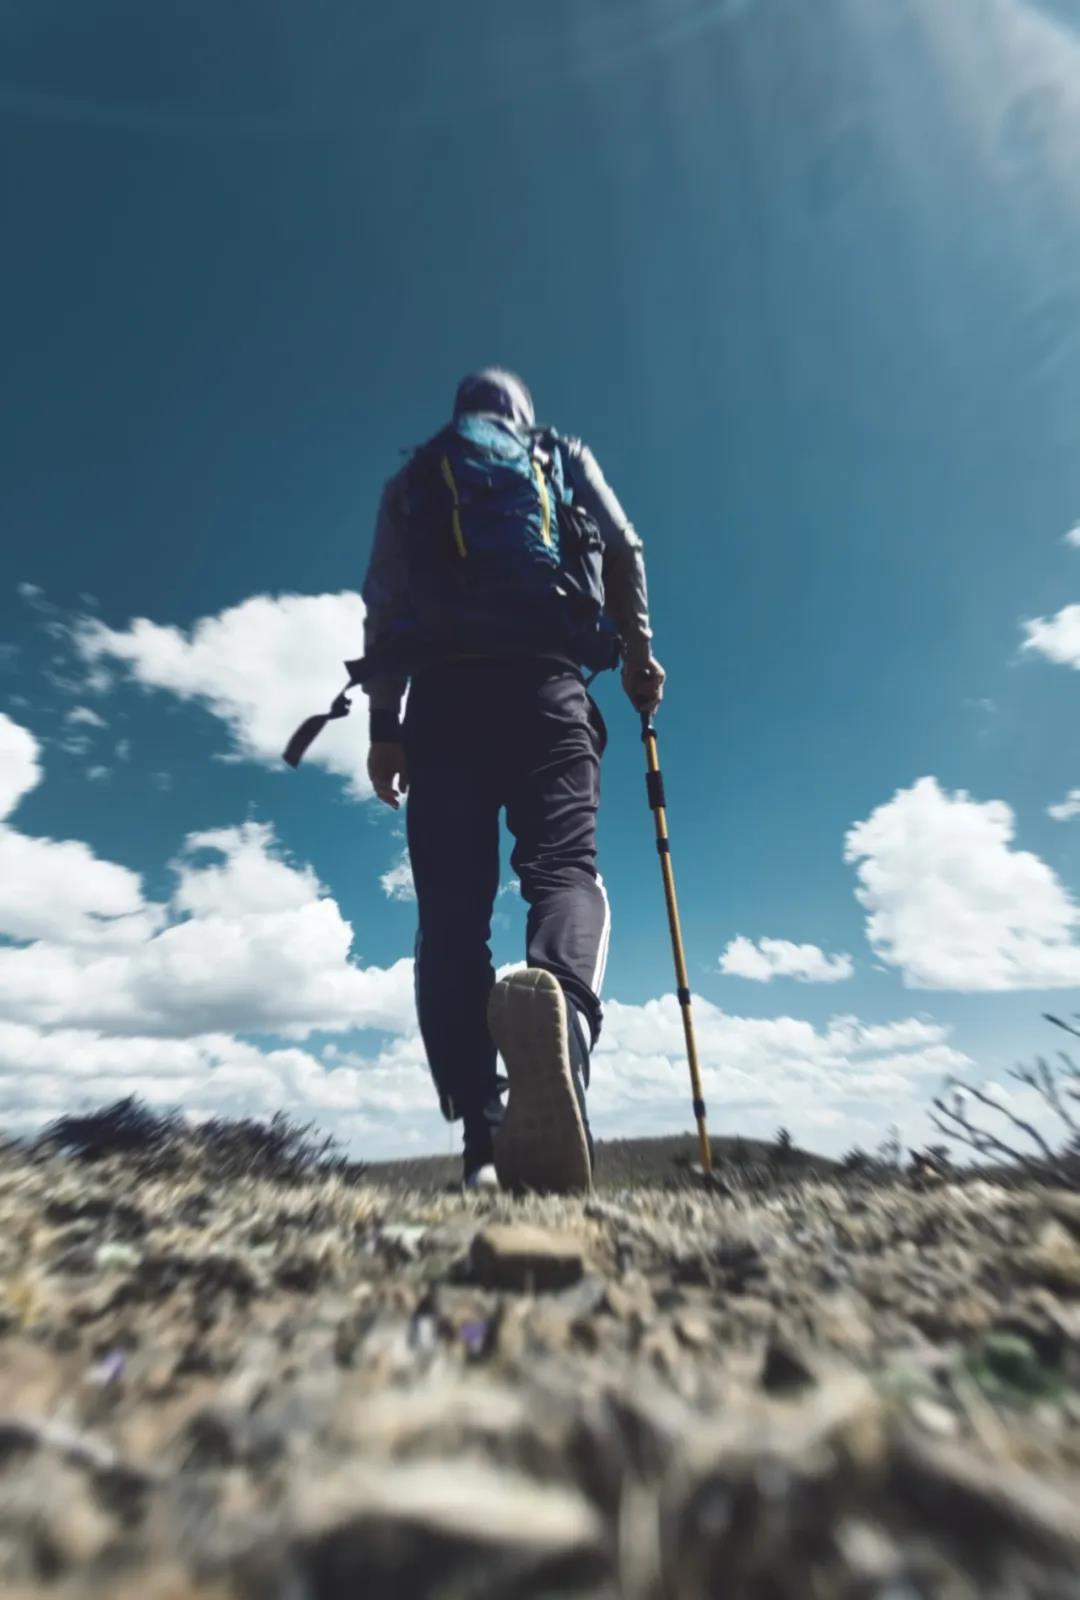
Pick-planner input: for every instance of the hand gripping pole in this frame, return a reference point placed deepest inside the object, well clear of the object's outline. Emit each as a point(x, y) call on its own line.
point(654, 781)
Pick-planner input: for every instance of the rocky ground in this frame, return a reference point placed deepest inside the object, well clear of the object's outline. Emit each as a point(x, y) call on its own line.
point(304, 1390)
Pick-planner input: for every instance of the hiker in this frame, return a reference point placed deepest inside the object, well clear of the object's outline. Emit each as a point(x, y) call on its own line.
point(503, 567)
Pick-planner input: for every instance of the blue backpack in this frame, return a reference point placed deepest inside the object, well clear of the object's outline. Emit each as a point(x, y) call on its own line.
point(498, 557)
point(499, 561)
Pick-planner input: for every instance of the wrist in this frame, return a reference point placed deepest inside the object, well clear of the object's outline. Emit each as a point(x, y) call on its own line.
point(384, 727)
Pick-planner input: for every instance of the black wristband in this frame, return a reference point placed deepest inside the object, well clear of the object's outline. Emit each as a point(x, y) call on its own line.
point(385, 727)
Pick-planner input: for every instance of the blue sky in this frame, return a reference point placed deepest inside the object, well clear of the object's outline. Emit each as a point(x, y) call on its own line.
point(805, 280)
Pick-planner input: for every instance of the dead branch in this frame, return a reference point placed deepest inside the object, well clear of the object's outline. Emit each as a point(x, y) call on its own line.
point(956, 1125)
point(1018, 1122)
point(1043, 1080)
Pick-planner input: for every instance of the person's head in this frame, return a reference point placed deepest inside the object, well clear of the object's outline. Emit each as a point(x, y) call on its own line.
point(498, 392)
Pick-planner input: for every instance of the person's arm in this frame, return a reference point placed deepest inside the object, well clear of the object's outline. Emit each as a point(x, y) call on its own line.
point(626, 596)
point(384, 593)
point(385, 597)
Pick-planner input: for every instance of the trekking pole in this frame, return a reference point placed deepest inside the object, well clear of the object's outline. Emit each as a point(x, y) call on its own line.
point(654, 782)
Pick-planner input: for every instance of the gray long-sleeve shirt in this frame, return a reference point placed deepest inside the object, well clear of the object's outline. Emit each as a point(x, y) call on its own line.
point(625, 592)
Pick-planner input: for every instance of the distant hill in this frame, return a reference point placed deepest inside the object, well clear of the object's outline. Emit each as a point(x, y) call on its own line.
point(624, 1163)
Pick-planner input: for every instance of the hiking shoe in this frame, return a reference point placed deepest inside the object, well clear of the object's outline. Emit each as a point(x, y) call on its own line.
point(543, 1142)
point(482, 1180)
point(481, 1122)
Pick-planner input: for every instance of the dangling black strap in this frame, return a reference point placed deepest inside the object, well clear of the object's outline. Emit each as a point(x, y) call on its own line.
point(310, 729)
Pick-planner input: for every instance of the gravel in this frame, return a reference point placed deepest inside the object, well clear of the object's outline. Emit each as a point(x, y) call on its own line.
point(237, 1387)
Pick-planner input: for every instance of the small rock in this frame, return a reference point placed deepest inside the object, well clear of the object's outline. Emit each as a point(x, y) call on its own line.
point(869, 1551)
point(933, 1418)
point(1054, 1260)
point(784, 1370)
point(522, 1257)
point(454, 1527)
point(402, 1240)
point(116, 1257)
point(694, 1329)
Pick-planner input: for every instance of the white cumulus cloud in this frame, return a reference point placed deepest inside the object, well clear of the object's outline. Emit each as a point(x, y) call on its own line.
point(382, 1104)
point(85, 717)
point(104, 992)
point(261, 666)
point(779, 958)
point(214, 997)
point(20, 766)
point(1057, 638)
point(953, 904)
point(397, 883)
point(54, 889)
point(274, 960)
point(249, 940)
point(1073, 537)
point(1066, 809)
point(244, 874)
point(834, 1085)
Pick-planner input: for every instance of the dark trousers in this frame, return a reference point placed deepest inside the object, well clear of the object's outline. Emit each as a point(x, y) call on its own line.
point(480, 736)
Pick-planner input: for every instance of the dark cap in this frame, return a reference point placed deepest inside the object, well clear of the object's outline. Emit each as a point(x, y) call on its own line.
point(497, 391)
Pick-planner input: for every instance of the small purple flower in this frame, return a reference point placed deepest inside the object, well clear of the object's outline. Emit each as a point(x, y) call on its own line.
point(110, 1369)
point(474, 1336)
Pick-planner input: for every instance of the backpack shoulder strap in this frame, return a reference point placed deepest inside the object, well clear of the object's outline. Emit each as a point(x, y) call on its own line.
point(549, 447)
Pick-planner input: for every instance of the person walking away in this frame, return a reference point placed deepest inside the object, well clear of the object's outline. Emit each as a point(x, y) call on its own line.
point(504, 567)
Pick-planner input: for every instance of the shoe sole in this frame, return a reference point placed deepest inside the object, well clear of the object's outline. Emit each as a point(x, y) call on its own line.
point(541, 1143)
point(485, 1181)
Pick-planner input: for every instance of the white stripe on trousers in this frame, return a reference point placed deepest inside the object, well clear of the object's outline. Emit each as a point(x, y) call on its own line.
point(605, 941)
